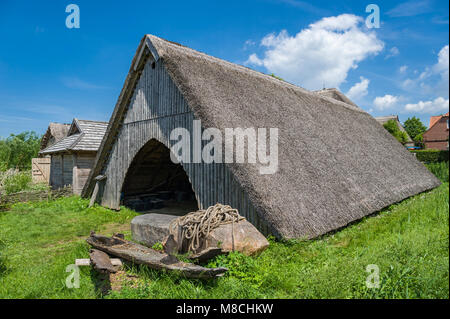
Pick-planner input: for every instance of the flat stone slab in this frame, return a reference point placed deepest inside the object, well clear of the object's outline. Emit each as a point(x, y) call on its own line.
point(150, 228)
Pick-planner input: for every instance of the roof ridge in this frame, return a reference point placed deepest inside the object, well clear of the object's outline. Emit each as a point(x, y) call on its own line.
point(242, 68)
point(93, 121)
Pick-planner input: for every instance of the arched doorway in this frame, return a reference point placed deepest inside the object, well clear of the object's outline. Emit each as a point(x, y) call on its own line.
point(153, 183)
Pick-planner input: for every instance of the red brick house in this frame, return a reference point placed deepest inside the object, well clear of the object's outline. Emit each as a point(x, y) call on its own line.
point(436, 137)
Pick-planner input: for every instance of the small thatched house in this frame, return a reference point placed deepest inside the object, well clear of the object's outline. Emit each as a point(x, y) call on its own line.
point(384, 119)
point(73, 156)
point(40, 171)
point(336, 163)
point(55, 132)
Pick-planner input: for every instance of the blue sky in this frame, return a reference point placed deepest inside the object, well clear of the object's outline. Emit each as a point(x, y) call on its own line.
point(49, 73)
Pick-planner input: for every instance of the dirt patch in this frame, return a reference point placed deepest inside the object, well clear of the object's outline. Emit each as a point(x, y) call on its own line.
point(120, 279)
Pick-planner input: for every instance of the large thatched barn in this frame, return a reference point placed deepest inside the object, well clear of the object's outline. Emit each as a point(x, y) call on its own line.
point(336, 163)
point(72, 157)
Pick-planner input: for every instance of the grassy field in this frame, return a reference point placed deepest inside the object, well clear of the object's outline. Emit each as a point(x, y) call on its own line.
point(409, 243)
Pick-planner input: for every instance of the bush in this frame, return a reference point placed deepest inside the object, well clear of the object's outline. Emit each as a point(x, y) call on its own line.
point(392, 127)
point(17, 182)
point(431, 156)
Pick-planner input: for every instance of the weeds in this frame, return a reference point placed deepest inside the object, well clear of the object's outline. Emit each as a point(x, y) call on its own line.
point(409, 242)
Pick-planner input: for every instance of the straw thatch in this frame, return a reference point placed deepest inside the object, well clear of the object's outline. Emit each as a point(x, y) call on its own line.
point(336, 163)
point(55, 132)
point(337, 95)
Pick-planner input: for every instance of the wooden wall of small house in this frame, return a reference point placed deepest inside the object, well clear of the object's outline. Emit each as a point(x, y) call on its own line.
point(61, 170)
point(67, 170)
point(56, 171)
point(82, 167)
point(156, 108)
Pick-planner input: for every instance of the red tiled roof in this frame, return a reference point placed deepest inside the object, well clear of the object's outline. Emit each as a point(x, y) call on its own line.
point(435, 119)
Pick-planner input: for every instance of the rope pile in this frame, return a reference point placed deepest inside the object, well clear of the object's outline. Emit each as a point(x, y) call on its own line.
point(196, 226)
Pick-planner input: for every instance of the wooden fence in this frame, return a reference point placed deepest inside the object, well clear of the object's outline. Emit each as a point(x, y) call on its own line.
point(33, 196)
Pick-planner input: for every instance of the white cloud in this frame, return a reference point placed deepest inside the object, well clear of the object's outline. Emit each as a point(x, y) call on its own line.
point(409, 9)
point(432, 107)
point(253, 59)
point(248, 44)
point(403, 68)
point(434, 79)
point(394, 51)
point(442, 65)
point(321, 54)
point(442, 68)
point(76, 83)
point(358, 90)
point(385, 102)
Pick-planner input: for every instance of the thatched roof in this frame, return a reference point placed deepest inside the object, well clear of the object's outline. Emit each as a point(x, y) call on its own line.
point(82, 135)
point(335, 94)
point(55, 132)
point(384, 119)
point(336, 163)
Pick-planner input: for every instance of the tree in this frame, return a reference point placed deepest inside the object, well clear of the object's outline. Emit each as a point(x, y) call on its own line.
point(16, 151)
point(392, 127)
point(414, 127)
point(418, 140)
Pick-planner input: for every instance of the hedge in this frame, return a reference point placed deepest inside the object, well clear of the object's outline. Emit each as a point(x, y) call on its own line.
point(431, 156)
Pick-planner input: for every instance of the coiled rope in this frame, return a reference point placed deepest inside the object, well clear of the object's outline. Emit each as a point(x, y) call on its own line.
point(196, 226)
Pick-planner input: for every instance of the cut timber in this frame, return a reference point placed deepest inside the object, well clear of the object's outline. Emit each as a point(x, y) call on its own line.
point(171, 247)
point(206, 254)
point(101, 261)
point(81, 262)
point(142, 255)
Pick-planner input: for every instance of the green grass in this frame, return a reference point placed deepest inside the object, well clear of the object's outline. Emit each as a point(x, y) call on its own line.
point(409, 242)
point(439, 169)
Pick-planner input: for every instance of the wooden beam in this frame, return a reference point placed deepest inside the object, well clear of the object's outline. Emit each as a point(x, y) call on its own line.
point(87, 262)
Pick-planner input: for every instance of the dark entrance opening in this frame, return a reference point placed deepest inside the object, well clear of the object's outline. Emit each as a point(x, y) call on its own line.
point(154, 184)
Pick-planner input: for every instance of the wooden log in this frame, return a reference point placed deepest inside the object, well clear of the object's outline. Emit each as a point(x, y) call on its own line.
point(138, 254)
point(206, 254)
point(171, 247)
point(101, 262)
